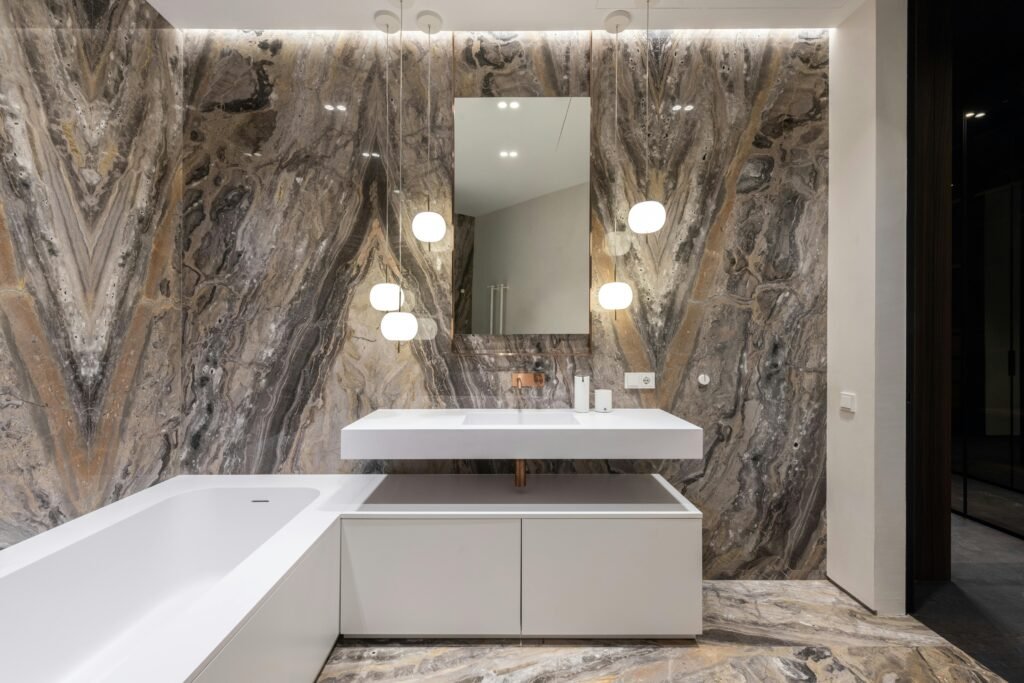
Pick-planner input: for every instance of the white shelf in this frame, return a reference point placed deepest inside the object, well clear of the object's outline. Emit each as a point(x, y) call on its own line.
point(563, 434)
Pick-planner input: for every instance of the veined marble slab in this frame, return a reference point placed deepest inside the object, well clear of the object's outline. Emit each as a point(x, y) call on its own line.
point(624, 434)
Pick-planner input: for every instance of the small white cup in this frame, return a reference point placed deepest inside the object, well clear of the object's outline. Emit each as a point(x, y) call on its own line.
point(603, 400)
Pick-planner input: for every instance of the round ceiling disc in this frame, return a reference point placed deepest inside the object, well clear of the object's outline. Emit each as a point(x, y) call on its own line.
point(429, 21)
point(386, 21)
point(617, 21)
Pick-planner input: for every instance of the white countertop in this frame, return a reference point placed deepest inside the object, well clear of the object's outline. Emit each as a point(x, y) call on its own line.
point(509, 434)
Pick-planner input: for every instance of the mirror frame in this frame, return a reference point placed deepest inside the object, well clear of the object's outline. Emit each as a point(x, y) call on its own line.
point(524, 344)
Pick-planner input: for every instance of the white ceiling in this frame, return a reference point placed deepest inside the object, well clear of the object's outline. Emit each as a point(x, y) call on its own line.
point(504, 15)
point(550, 134)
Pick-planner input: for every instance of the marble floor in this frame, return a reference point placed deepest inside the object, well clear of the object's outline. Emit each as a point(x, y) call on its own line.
point(753, 631)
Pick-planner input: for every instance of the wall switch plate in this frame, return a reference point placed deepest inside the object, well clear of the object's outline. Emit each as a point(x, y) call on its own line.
point(639, 380)
point(847, 402)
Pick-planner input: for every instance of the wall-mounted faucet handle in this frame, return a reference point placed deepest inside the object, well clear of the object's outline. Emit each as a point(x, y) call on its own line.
point(521, 380)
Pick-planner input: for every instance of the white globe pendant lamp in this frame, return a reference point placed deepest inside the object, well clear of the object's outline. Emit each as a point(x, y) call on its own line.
point(386, 296)
point(649, 215)
point(429, 226)
point(615, 296)
point(646, 217)
point(399, 326)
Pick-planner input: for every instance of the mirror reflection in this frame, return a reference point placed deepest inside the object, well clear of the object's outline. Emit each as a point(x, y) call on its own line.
point(522, 215)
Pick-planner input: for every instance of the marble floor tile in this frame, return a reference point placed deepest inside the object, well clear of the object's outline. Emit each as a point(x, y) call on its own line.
point(754, 631)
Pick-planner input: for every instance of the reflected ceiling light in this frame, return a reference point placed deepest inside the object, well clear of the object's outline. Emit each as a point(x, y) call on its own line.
point(386, 296)
point(513, 105)
point(341, 107)
point(649, 215)
point(329, 107)
point(513, 154)
point(427, 329)
point(429, 226)
point(502, 105)
point(399, 326)
point(677, 107)
point(688, 107)
point(969, 115)
point(375, 155)
point(366, 154)
point(616, 295)
point(503, 154)
point(980, 115)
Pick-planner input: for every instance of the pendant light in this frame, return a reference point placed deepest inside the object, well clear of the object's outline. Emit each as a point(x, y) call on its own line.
point(399, 325)
point(647, 216)
point(429, 226)
point(387, 296)
point(615, 296)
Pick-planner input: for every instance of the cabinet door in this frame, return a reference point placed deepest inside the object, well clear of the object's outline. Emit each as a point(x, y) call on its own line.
point(612, 577)
point(430, 577)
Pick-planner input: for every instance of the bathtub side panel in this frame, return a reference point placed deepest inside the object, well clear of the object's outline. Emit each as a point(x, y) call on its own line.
point(290, 635)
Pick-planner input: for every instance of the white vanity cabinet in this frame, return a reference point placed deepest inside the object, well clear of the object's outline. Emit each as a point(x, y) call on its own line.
point(430, 577)
point(568, 556)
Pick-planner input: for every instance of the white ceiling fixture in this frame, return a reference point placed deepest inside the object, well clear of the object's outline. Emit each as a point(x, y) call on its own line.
point(521, 15)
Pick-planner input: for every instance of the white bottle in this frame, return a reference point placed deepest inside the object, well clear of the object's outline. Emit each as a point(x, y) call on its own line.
point(603, 400)
point(581, 394)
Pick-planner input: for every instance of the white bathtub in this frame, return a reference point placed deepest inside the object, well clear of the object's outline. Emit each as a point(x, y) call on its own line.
point(167, 585)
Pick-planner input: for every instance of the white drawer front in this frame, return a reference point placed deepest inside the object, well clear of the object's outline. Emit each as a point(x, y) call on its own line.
point(430, 577)
point(612, 577)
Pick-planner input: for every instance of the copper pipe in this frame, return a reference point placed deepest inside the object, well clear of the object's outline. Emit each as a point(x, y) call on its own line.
point(520, 474)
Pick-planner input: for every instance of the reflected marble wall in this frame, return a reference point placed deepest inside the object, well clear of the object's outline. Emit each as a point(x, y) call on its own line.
point(90, 322)
point(282, 225)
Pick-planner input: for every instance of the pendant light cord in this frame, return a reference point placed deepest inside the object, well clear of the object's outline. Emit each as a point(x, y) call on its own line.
point(430, 111)
point(387, 143)
point(615, 257)
point(647, 105)
point(401, 131)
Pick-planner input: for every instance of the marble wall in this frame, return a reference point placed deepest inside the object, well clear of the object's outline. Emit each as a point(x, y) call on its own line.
point(276, 225)
point(90, 325)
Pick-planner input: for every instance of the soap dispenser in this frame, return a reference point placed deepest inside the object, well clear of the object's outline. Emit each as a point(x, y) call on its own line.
point(581, 394)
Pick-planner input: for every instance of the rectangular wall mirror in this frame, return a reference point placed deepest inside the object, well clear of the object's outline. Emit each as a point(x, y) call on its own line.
point(522, 216)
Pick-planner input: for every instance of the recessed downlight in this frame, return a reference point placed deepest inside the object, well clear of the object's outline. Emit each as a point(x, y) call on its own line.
point(503, 154)
point(513, 105)
point(503, 105)
point(513, 154)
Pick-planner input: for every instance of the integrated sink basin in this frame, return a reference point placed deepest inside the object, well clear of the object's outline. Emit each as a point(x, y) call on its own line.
point(502, 434)
point(520, 417)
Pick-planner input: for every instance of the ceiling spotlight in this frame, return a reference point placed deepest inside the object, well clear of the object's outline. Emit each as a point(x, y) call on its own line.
point(329, 107)
point(677, 107)
point(503, 154)
point(969, 115)
point(513, 105)
point(503, 105)
point(980, 115)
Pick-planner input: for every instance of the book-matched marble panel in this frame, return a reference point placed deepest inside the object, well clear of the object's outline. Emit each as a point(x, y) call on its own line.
point(90, 321)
